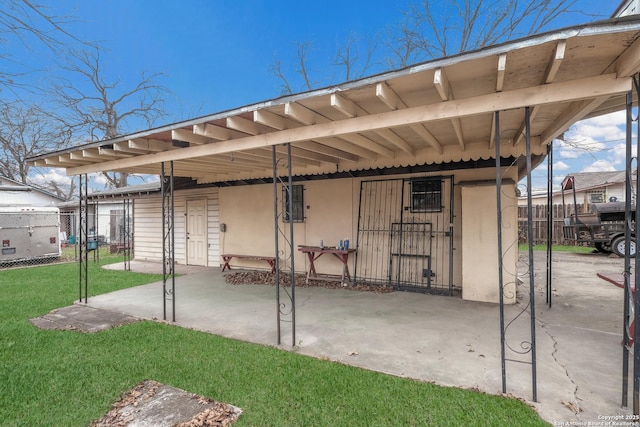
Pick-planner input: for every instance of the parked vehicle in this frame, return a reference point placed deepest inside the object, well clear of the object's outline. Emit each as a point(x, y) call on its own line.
point(29, 233)
point(603, 227)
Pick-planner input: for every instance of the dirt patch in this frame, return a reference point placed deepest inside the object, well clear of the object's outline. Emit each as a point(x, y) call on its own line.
point(79, 317)
point(151, 403)
point(267, 278)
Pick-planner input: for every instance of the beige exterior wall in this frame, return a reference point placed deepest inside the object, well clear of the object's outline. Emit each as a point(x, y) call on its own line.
point(331, 210)
point(147, 238)
point(480, 245)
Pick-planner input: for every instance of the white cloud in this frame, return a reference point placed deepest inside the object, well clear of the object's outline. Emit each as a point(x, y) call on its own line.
point(599, 166)
point(56, 175)
point(560, 166)
point(99, 179)
point(609, 127)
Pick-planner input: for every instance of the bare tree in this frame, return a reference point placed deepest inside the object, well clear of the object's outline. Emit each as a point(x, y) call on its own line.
point(350, 61)
point(425, 33)
point(469, 25)
point(26, 132)
point(95, 108)
point(38, 31)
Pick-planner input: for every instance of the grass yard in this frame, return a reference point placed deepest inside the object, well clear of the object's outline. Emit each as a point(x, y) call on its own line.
point(67, 378)
point(523, 247)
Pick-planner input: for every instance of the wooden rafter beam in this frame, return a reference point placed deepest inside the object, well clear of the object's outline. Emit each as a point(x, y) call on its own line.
point(441, 82)
point(393, 102)
point(574, 112)
point(628, 64)
point(574, 90)
point(92, 153)
point(344, 105)
point(219, 133)
point(272, 120)
point(351, 109)
point(556, 61)
point(77, 155)
point(300, 114)
point(308, 117)
point(150, 144)
point(343, 145)
point(298, 155)
point(69, 161)
point(245, 126)
point(190, 137)
point(110, 152)
point(123, 146)
point(320, 147)
point(502, 69)
point(550, 75)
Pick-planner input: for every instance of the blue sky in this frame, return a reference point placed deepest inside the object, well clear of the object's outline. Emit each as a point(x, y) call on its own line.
point(216, 55)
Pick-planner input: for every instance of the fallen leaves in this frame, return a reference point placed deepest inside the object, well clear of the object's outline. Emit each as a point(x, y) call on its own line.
point(267, 278)
point(146, 402)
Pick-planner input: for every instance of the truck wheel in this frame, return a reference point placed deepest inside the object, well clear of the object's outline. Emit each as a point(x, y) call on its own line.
point(602, 247)
point(618, 246)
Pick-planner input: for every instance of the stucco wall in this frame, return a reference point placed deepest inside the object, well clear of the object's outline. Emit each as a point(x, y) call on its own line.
point(479, 249)
point(331, 214)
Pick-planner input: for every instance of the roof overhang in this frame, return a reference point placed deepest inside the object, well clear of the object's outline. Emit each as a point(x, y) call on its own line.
point(437, 112)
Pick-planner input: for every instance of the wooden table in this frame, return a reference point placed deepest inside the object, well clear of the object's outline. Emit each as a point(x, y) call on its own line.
point(315, 252)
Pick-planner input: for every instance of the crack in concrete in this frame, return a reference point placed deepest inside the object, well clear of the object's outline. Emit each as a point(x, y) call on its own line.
point(574, 407)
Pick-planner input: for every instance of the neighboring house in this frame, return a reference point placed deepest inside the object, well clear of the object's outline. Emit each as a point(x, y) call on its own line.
point(14, 193)
point(402, 163)
point(591, 187)
point(107, 210)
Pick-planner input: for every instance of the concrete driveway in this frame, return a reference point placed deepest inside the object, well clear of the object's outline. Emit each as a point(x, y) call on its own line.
point(444, 340)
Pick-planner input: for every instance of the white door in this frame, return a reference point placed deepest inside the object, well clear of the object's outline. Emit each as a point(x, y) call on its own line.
point(197, 232)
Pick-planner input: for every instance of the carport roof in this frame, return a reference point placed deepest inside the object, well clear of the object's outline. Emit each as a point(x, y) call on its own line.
point(436, 112)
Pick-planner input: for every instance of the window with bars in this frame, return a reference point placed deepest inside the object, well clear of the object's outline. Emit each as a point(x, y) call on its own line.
point(297, 199)
point(426, 195)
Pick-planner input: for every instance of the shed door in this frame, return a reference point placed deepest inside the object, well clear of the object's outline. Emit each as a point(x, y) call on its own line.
point(196, 232)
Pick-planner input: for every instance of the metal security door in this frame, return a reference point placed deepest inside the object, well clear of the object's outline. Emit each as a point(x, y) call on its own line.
point(411, 254)
point(405, 234)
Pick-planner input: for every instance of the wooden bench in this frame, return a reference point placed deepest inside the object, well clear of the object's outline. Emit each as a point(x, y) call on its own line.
point(228, 257)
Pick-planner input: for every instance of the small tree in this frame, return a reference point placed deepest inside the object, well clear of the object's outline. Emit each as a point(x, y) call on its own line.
point(96, 109)
point(26, 132)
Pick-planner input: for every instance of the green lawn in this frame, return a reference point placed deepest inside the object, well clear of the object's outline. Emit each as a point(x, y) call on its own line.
point(557, 248)
point(67, 378)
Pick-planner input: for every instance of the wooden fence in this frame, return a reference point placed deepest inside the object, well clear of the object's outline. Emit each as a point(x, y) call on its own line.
point(539, 219)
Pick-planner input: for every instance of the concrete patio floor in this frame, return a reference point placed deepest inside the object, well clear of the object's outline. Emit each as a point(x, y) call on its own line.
point(439, 339)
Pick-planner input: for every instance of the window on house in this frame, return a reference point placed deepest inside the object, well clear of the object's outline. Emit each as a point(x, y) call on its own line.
point(596, 197)
point(297, 198)
point(426, 195)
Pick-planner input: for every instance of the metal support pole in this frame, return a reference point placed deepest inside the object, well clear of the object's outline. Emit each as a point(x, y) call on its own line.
point(96, 251)
point(532, 294)
point(281, 305)
point(549, 223)
point(636, 335)
point(627, 260)
point(82, 238)
point(276, 228)
point(500, 261)
point(126, 234)
point(168, 239)
point(291, 248)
